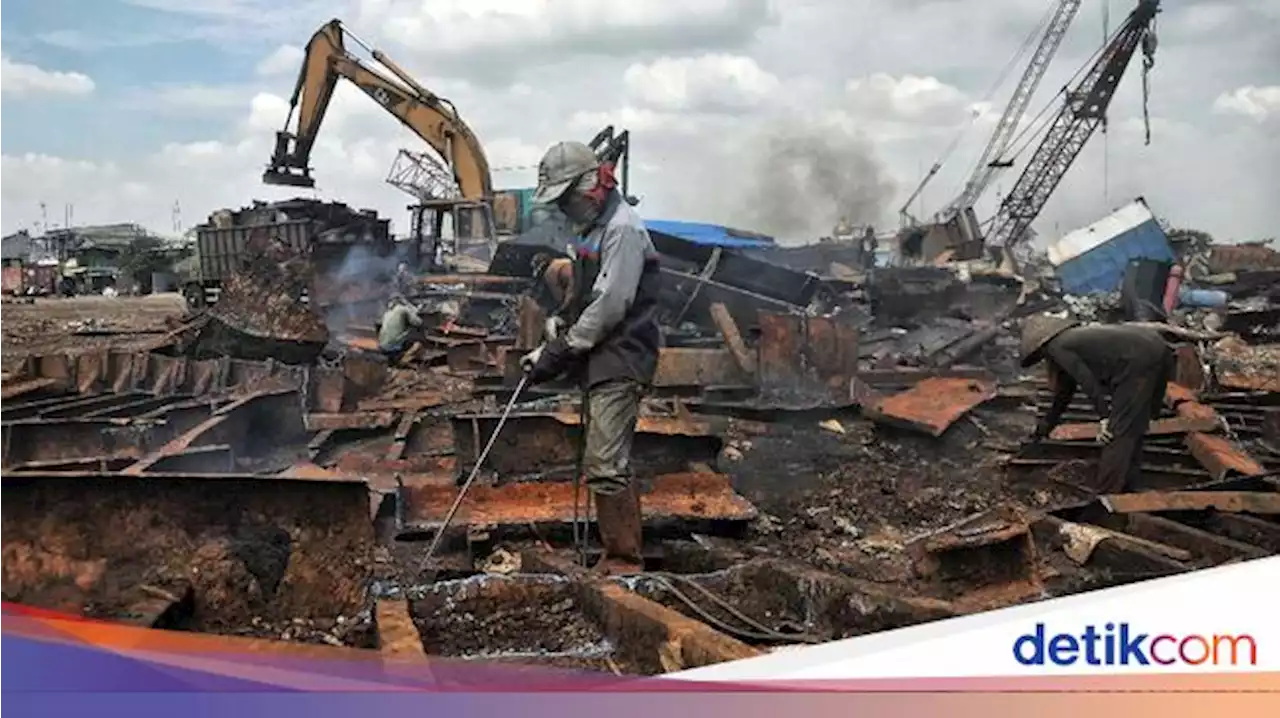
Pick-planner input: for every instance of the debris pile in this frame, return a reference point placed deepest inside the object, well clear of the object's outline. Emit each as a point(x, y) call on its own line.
point(820, 458)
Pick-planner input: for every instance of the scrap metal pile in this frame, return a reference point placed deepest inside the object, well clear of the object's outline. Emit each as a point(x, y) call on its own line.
point(819, 460)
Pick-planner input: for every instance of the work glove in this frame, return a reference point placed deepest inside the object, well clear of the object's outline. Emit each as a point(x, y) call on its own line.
point(554, 327)
point(530, 360)
point(1104, 432)
point(547, 361)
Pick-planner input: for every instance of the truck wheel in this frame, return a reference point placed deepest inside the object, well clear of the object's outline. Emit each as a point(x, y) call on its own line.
point(194, 296)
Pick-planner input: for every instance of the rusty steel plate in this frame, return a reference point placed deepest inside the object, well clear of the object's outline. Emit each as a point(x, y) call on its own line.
point(1175, 394)
point(350, 420)
point(1196, 410)
point(695, 496)
point(249, 545)
point(932, 405)
point(1221, 457)
point(1162, 427)
point(1253, 502)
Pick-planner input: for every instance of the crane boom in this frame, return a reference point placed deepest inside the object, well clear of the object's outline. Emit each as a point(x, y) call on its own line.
point(1083, 110)
point(987, 165)
point(428, 115)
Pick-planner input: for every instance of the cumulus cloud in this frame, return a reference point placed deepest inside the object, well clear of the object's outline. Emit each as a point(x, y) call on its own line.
point(1257, 103)
point(712, 81)
point(284, 60)
point(760, 114)
point(20, 79)
point(498, 40)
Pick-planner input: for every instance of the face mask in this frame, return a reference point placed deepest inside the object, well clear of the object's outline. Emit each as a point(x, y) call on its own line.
point(578, 207)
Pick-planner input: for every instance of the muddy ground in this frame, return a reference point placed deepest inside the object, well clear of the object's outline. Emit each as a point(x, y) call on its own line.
point(51, 324)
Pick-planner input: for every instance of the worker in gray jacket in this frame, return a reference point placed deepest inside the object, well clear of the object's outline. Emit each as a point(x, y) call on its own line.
point(606, 337)
point(1122, 369)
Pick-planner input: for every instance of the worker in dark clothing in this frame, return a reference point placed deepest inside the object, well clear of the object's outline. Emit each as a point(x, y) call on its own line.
point(1123, 370)
point(607, 337)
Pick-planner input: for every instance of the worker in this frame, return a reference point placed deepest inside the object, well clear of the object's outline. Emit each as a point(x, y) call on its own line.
point(1131, 364)
point(610, 340)
point(396, 330)
point(403, 281)
point(869, 248)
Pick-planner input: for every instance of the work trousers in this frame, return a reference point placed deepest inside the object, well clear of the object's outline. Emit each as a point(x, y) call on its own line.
point(610, 410)
point(1137, 400)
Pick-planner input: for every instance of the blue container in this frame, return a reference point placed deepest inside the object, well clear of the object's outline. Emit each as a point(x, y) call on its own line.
point(1092, 260)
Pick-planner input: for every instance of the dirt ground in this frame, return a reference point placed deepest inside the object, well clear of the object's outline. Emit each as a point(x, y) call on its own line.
point(50, 324)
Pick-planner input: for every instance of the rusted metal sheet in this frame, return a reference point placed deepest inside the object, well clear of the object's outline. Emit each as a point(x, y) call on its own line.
point(1225, 258)
point(1252, 502)
point(1188, 371)
point(1175, 394)
point(153, 373)
point(261, 319)
point(1251, 382)
point(255, 424)
point(398, 637)
point(932, 405)
point(678, 367)
point(353, 420)
point(1194, 410)
point(989, 553)
point(14, 389)
point(402, 403)
point(654, 637)
point(690, 496)
point(780, 348)
point(697, 368)
point(1242, 366)
point(1221, 457)
point(1161, 427)
point(277, 549)
point(546, 443)
point(326, 389)
point(1205, 546)
point(733, 338)
point(532, 324)
point(804, 354)
point(30, 440)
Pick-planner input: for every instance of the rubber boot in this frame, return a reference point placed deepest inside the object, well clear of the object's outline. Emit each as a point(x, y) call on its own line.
point(618, 517)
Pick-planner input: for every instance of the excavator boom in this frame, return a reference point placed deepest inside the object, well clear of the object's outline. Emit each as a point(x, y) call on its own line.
point(429, 116)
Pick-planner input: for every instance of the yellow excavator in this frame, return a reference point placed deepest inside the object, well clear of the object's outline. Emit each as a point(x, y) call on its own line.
point(429, 116)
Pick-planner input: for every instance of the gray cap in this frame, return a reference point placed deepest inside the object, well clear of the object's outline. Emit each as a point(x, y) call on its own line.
point(560, 167)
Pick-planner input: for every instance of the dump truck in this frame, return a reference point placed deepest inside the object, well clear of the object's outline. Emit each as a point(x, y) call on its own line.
point(322, 234)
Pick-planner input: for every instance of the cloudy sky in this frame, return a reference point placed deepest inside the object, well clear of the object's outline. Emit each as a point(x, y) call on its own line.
point(776, 115)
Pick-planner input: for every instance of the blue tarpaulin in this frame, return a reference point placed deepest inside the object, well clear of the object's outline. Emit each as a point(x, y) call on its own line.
point(714, 235)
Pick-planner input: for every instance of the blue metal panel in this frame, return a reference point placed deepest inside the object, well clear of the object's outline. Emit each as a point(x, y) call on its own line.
point(709, 234)
point(1101, 269)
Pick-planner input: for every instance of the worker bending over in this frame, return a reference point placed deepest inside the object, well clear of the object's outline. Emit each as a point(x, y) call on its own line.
point(396, 330)
point(1131, 364)
point(612, 337)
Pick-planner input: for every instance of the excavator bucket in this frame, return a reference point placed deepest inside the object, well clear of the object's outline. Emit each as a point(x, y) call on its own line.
point(282, 170)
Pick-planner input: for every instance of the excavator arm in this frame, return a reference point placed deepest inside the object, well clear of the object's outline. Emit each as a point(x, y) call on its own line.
point(429, 116)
